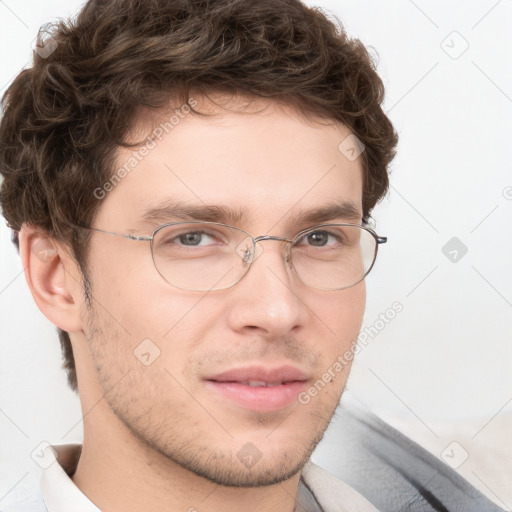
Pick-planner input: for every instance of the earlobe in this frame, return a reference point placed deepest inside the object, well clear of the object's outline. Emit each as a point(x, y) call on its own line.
point(55, 291)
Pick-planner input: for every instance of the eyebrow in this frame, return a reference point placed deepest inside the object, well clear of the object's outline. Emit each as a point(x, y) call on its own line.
point(342, 210)
point(170, 210)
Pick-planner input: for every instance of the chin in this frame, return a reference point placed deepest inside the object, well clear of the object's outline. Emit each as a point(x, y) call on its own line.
point(249, 466)
point(247, 474)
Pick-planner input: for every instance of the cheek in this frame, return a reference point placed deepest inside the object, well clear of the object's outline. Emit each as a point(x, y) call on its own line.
point(156, 322)
point(127, 287)
point(343, 313)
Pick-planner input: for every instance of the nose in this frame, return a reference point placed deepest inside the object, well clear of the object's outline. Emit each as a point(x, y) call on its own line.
point(267, 301)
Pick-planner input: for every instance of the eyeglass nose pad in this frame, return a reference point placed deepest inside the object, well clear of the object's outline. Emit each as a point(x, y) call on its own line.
point(245, 248)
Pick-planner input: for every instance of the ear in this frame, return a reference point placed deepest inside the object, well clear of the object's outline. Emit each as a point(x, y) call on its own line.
point(53, 278)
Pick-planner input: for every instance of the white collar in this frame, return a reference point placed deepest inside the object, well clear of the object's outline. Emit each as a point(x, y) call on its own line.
point(60, 493)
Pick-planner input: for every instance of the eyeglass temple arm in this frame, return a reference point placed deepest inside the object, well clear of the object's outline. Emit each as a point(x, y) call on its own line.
point(146, 238)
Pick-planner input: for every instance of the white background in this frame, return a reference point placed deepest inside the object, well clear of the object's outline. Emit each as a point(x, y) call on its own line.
point(445, 360)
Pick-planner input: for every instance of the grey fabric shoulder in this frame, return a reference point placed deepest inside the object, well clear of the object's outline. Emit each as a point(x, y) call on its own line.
point(332, 494)
point(391, 470)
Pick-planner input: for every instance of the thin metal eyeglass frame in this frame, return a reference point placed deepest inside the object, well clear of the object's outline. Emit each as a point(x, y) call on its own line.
point(149, 238)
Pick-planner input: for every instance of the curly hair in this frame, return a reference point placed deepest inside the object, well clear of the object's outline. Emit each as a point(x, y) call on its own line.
point(65, 117)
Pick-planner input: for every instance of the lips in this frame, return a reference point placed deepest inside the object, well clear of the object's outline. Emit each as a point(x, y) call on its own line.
point(262, 389)
point(280, 374)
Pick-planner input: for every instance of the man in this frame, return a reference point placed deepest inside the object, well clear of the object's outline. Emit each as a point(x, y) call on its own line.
point(190, 184)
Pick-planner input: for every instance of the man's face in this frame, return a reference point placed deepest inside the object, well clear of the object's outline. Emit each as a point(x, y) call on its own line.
point(270, 166)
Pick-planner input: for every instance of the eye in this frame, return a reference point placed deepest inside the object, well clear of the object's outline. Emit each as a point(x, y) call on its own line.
point(319, 239)
point(193, 239)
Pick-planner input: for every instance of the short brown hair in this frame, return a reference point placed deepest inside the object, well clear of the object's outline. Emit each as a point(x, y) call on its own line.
point(65, 116)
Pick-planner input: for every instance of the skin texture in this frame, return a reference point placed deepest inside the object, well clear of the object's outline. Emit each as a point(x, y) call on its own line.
point(157, 437)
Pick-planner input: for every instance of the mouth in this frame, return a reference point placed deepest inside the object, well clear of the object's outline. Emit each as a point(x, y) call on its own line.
point(261, 383)
point(258, 388)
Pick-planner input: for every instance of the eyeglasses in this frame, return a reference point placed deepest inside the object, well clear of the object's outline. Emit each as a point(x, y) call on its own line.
point(207, 256)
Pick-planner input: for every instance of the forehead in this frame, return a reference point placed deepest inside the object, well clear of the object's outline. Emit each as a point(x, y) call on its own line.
point(266, 162)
